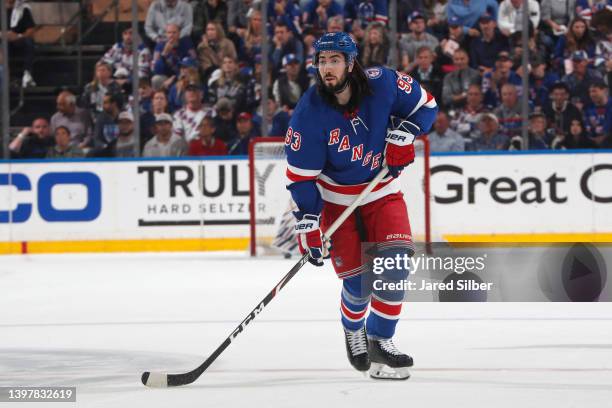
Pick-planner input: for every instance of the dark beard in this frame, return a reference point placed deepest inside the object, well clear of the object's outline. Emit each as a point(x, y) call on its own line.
point(328, 93)
point(339, 87)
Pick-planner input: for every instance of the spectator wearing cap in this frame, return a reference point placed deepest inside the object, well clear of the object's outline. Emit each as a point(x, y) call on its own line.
point(120, 56)
point(426, 73)
point(186, 120)
point(285, 43)
point(365, 11)
point(225, 124)
point(581, 78)
point(122, 78)
point(168, 55)
point(598, 114)
point(77, 120)
point(125, 144)
point(468, 12)
point(289, 87)
point(510, 17)
point(207, 143)
point(188, 75)
point(62, 148)
point(417, 38)
point(577, 38)
point(213, 47)
point(508, 113)
point(207, 11)
point(165, 143)
point(455, 40)
point(541, 81)
point(287, 11)
point(489, 137)
point(465, 120)
point(538, 133)
point(229, 84)
point(559, 111)
point(376, 46)
point(32, 142)
point(316, 12)
point(102, 84)
point(456, 83)
point(443, 138)
point(503, 73)
point(245, 131)
point(164, 12)
point(106, 129)
point(485, 49)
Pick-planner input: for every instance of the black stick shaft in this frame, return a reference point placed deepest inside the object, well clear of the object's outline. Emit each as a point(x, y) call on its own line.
point(188, 378)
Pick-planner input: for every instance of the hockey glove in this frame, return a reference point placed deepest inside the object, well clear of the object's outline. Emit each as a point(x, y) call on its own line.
point(399, 151)
point(310, 239)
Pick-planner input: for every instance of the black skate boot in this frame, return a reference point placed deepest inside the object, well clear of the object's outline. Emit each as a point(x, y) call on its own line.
point(388, 363)
point(357, 349)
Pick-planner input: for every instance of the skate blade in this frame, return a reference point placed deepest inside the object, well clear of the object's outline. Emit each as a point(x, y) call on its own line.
point(384, 372)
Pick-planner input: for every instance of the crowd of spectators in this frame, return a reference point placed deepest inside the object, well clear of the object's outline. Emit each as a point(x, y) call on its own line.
point(200, 68)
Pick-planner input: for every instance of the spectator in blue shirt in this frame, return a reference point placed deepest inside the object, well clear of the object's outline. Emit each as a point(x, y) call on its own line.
point(581, 79)
point(469, 11)
point(168, 54)
point(503, 74)
point(285, 43)
point(598, 114)
point(286, 11)
point(316, 12)
point(541, 81)
point(365, 11)
point(577, 38)
point(484, 49)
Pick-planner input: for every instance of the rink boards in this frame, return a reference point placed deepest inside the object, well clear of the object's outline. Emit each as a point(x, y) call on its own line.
point(202, 204)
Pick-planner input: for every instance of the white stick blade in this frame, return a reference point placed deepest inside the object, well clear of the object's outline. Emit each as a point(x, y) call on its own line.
point(155, 380)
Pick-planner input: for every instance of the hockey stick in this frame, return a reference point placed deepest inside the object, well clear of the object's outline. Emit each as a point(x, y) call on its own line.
point(163, 380)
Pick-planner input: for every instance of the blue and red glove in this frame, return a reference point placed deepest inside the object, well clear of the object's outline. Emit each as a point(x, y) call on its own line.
point(399, 151)
point(310, 239)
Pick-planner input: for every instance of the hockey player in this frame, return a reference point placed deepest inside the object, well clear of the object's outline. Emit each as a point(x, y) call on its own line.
point(338, 139)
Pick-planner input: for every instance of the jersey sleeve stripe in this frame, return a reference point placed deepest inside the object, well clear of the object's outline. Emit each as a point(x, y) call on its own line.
point(295, 178)
point(422, 101)
point(303, 172)
point(431, 102)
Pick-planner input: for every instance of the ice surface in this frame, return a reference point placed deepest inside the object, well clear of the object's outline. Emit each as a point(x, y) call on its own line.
point(97, 321)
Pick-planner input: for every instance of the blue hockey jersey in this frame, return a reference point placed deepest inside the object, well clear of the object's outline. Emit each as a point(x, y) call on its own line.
point(331, 156)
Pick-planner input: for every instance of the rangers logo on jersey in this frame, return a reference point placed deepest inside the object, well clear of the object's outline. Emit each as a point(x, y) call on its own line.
point(373, 73)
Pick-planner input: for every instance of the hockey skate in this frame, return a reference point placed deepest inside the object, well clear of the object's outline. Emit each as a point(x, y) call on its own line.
point(357, 349)
point(387, 362)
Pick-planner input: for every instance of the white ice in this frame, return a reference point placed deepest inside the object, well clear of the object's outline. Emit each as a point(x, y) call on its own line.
point(97, 321)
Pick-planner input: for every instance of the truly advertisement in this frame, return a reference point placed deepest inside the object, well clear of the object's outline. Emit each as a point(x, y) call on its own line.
point(191, 193)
